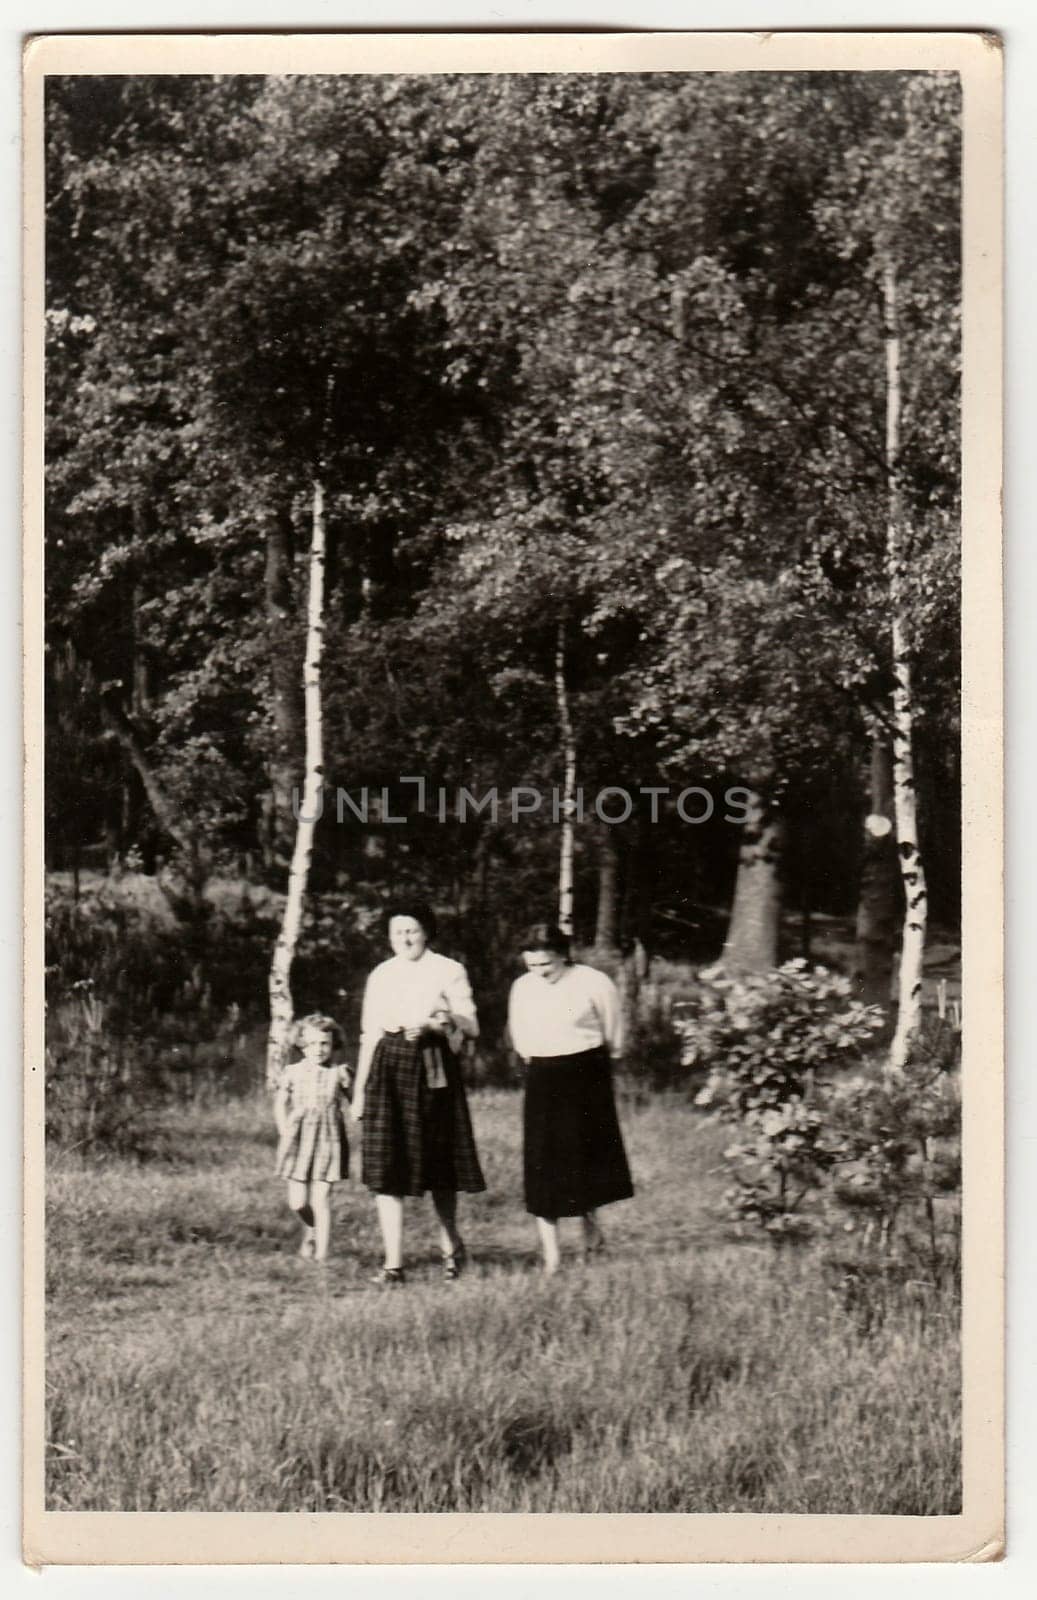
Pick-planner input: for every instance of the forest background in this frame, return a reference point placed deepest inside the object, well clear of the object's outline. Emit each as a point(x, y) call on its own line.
point(593, 374)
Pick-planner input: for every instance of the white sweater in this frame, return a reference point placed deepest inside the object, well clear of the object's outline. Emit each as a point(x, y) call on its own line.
point(579, 1010)
point(402, 994)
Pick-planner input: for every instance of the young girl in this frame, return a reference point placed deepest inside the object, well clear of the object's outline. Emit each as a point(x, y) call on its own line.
point(312, 1150)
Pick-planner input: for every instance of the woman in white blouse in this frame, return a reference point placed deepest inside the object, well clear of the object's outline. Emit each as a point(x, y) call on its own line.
point(409, 1095)
point(565, 1021)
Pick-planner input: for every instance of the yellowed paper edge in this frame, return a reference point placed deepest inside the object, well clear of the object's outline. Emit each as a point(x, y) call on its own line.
point(977, 1533)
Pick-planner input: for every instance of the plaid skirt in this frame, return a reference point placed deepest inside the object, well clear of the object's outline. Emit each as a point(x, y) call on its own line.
point(314, 1146)
point(573, 1157)
point(416, 1138)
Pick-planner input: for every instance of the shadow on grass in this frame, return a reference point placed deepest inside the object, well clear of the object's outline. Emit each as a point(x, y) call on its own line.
point(533, 1441)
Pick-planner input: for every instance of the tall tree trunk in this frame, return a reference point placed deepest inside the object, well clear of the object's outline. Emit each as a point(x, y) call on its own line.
point(140, 701)
point(194, 859)
point(606, 926)
point(472, 889)
point(478, 925)
point(877, 899)
point(752, 934)
point(912, 950)
point(286, 707)
point(140, 687)
point(635, 931)
point(566, 845)
point(298, 874)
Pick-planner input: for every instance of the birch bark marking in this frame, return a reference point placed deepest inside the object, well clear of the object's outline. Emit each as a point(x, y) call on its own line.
point(298, 873)
point(566, 844)
point(905, 811)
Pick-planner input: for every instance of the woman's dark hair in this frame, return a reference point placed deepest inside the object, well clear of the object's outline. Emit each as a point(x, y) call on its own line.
point(418, 909)
point(546, 936)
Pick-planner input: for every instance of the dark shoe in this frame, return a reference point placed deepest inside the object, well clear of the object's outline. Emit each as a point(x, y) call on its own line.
point(389, 1277)
point(454, 1265)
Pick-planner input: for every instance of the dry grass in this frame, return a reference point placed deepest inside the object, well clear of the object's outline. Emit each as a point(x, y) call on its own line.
point(194, 1363)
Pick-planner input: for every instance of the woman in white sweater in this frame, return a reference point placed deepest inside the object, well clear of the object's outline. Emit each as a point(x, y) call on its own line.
point(564, 1020)
point(409, 1093)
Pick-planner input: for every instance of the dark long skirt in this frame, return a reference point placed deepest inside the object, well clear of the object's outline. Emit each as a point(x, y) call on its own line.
point(573, 1155)
point(416, 1138)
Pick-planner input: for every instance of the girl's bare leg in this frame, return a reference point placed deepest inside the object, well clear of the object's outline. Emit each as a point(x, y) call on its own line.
point(445, 1202)
point(299, 1201)
point(320, 1202)
point(390, 1220)
point(547, 1228)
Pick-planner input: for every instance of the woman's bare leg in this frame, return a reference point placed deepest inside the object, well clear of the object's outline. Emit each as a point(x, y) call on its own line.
point(390, 1220)
point(299, 1201)
point(547, 1228)
point(320, 1204)
point(445, 1202)
point(593, 1238)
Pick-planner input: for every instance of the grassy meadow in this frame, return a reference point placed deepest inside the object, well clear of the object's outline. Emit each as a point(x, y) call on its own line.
point(194, 1362)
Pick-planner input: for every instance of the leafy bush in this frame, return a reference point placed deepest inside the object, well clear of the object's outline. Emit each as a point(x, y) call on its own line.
point(764, 1039)
point(893, 1198)
point(898, 1142)
point(820, 1147)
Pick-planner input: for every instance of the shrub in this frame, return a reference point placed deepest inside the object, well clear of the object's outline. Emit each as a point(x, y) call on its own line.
point(819, 1146)
point(764, 1040)
point(898, 1140)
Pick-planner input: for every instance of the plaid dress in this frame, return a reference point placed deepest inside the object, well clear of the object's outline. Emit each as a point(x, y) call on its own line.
point(416, 1137)
point(314, 1144)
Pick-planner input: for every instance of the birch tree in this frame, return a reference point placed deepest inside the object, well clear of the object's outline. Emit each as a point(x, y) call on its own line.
point(583, 379)
point(219, 248)
point(912, 951)
point(568, 750)
point(896, 203)
point(281, 1008)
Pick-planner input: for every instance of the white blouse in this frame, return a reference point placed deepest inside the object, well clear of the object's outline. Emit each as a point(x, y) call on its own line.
point(403, 994)
point(579, 1010)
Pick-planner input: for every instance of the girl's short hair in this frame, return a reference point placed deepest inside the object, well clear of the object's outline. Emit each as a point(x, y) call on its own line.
point(420, 910)
point(319, 1022)
point(547, 936)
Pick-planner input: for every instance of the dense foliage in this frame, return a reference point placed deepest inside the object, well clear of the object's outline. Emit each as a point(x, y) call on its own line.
point(592, 354)
point(823, 1140)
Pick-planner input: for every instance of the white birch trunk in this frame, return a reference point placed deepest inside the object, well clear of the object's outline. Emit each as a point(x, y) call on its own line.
point(298, 873)
point(905, 810)
point(567, 841)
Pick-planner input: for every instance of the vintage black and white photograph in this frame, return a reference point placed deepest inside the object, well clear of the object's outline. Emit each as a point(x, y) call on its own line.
point(503, 791)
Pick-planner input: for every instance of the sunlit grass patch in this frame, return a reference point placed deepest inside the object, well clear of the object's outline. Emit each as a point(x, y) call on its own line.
point(196, 1364)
